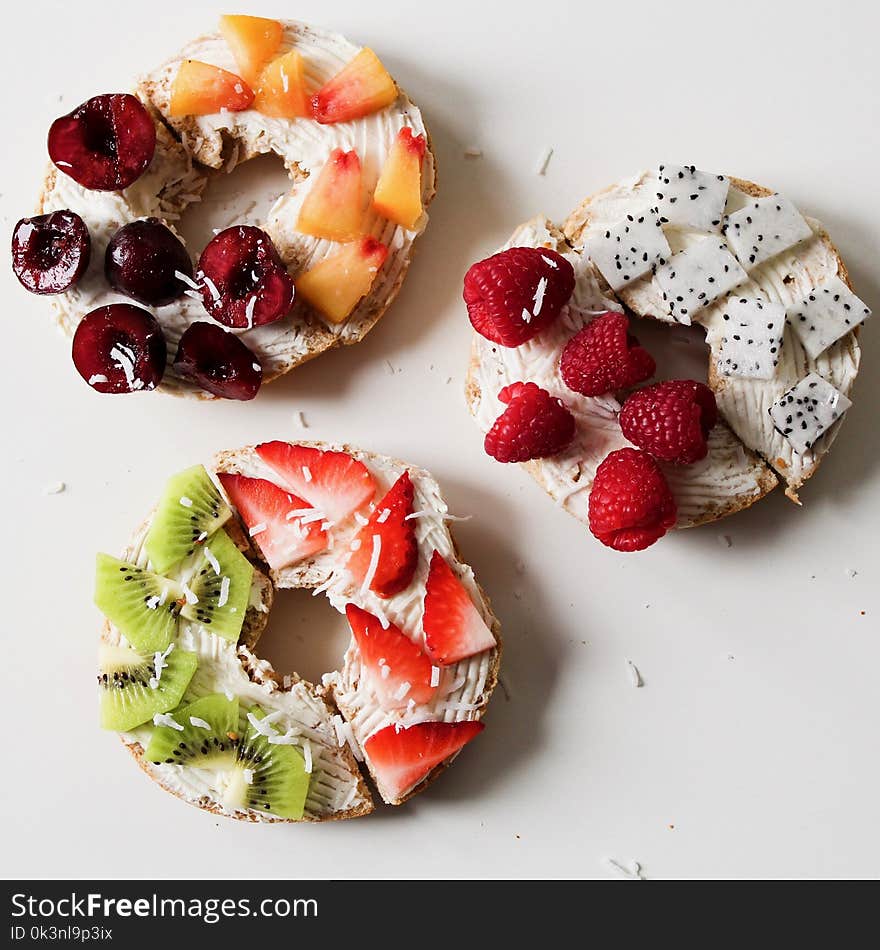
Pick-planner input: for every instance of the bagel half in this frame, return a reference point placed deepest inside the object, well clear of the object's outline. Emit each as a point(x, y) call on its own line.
point(337, 789)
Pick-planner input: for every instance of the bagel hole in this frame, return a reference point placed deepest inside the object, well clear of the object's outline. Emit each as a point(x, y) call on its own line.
point(680, 352)
point(304, 635)
point(244, 196)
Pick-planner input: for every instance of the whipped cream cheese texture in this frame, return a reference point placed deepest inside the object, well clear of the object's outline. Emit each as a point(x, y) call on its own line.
point(180, 171)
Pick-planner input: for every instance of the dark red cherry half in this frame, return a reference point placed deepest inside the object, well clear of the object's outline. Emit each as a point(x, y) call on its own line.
point(143, 260)
point(51, 251)
point(120, 348)
point(244, 281)
point(105, 144)
point(218, 361)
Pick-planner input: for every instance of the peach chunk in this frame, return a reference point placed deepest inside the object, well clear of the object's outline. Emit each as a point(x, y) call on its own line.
point(398, 194)
point(282, 88)
point(254, 40)
point(335, 285)
point(362, 87)
point(202, 89)
point(334, 206)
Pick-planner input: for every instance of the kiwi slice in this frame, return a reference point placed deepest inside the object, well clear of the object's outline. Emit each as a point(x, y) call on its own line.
point(267, 777)
point(131, 692)
point(142, 605)
point(190, 511)
point(209, 738)
point(222, 587)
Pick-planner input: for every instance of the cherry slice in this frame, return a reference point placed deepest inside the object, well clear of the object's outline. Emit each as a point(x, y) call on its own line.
point(245, 282)
point(106, 143)
point(119, 349)
point(50, 252)
point(142, 261)
point(218, 361)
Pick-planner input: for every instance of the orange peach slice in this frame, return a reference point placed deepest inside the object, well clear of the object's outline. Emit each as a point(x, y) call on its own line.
point(202, 89)
point(282, 88)
point(361, 88)
point(334, 207)
point(398, 194)
point(254, 40)
point(335, 285)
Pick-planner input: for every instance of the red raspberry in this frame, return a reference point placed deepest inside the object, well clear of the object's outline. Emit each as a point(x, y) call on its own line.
point(605, 357)
point(514, 295)
point(671, 420)
point(631, 505)
point(534, 425)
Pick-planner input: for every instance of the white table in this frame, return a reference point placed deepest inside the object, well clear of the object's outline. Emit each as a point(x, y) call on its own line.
point(751, 750)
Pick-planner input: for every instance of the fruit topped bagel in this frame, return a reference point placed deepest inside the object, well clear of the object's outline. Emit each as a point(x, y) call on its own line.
point(179, 675)
point(263, 296)
point(559, 381)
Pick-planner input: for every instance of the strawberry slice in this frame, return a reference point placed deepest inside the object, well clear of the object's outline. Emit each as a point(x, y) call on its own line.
point(399, 670)
point(401, 758)
point(265, 509)
point(388, 553)
point(332, 482)
point(453, 626)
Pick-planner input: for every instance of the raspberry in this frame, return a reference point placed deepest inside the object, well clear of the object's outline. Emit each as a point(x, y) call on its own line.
point(631, 505)
point(671, 420)
point(604, 357)
point(512, 296)
point(534, 425)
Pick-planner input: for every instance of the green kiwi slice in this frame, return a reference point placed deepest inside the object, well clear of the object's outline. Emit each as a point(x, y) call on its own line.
point(221, 587)
point(267, 777)
point(190, 511)
point(131, 691)
point(142, 605)
point(209, 738)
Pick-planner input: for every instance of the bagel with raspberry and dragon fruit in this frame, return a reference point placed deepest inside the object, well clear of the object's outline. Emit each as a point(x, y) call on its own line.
point(559, 382)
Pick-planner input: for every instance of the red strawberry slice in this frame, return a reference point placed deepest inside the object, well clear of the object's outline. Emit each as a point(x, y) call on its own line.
point(453, 626)
point(399, 670)
point(265, 509)
point(332, 482)
point(402, 757)
point(388, 552)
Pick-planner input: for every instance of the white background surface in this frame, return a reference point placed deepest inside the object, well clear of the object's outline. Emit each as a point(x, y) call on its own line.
point(751, 750)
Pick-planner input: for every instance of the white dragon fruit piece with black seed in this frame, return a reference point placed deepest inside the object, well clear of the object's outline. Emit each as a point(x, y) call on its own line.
point(751, 343)
point(807, 411)
point(764, 228)
point(689, 198)
point(697, 276)
point(630, 249)
point(829, 312)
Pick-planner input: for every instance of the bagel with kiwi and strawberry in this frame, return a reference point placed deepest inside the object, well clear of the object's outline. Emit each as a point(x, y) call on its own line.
point(263, 296)
point(179, 673)
point(557, 377)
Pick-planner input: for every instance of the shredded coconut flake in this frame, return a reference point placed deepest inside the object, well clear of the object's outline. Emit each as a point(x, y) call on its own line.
point(374, 563)
point(199, 723)
point(212, 287)
point(307, 755)
point(540, 290)
point(189, 595)
point(635, 677)
point(186, 502)
point(186, 279)
point(402, 690)
point(383, 516)
point(165, 719)
point(248, 776)
point(249, 309)
point(257, 529)
point(544, 161)
point(55, 489)
point(307, 473)
point(97, 378)
point(435, 675)
point(224, 592)
point(473, 152)
point(212, 560)
point(360, 519)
